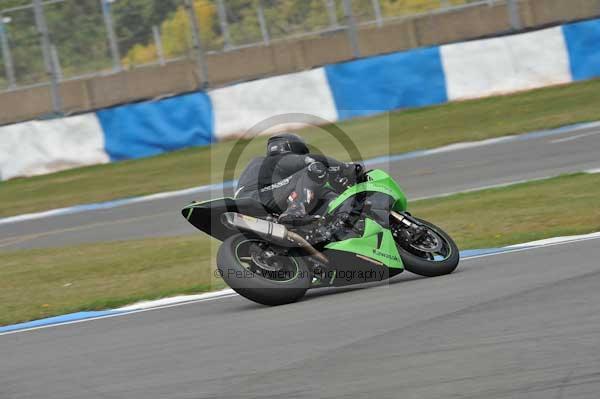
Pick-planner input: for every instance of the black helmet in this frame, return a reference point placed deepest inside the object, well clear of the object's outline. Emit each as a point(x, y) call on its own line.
point(286, 143)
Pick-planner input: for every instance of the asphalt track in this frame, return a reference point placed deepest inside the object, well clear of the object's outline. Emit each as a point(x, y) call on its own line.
point(462, 168)
point(513, 325)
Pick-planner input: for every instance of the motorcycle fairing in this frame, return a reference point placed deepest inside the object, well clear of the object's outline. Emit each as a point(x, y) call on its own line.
point(378, 181)
point(206, 216)
point(376, 243)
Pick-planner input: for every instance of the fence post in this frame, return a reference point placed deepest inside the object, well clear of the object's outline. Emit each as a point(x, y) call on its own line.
point(42, 27)
point(222, 12)
point(200, 59)
point(377, 11)
point(158, 43)
point(112, 37)
point(9, 66)
point(351, 27)
point(513, 15)
point(332, 12)
point(263, 22)
point(56, 62)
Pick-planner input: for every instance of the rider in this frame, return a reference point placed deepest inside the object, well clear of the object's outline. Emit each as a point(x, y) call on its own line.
point(292, 182)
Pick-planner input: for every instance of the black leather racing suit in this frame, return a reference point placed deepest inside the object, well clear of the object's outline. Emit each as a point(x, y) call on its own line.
point(277, 180)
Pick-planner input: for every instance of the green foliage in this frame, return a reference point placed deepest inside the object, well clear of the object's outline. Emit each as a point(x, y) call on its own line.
point(134, 20)
point(176, 34)
point(81, 44)
point(284, 18)
point(407, 7)
point(78, 30)
point(25, 45)
point(14, 3)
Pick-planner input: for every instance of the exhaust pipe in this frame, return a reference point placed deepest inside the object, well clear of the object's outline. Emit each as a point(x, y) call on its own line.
point(270, 231)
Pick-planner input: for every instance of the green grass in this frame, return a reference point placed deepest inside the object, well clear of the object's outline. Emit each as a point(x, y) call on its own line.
point(45, 282)
point(562, 206)
point(391, 133)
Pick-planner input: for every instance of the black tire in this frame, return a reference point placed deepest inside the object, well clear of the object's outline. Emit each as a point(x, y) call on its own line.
point(423, 267)
point(255, 287)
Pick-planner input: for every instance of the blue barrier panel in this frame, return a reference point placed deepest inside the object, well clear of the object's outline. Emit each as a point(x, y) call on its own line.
point(151, 128)
point(583, 42)
point(400, 80)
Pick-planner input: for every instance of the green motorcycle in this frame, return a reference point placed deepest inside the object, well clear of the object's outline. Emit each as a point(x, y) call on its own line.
point(365, 235)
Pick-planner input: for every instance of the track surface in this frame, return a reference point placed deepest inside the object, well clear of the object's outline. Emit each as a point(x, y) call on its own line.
point(517, 325)
point(464, 169)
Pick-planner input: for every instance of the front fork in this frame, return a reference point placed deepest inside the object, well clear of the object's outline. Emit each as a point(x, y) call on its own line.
point(411, 230)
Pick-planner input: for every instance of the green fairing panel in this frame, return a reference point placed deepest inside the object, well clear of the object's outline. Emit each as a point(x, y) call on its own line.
point(379, 181)
point(367, 245)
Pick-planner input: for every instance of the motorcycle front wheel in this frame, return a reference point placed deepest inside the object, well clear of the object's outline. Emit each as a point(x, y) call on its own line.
point(435, 254)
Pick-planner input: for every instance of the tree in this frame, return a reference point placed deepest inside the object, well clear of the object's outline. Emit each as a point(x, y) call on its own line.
point(134, 19)
point(24, 42)
point(289, 17)
point(82, 43)
point(77, 28)
point(176, 34)
point(13, 3)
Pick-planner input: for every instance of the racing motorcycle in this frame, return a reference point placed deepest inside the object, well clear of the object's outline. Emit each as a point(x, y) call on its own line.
point(364, 235)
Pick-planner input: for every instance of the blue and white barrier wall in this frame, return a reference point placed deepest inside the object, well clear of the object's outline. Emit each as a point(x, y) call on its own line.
point(415, 78)
point(40, 147)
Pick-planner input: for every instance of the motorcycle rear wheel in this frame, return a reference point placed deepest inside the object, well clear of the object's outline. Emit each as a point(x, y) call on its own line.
point(274, 282)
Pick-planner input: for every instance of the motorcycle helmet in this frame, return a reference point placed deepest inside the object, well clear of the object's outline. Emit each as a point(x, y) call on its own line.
point(286, 143)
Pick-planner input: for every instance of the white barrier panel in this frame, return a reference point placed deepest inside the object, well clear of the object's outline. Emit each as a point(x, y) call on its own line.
point(40, 147)
point(507, 64)
point(240, 107)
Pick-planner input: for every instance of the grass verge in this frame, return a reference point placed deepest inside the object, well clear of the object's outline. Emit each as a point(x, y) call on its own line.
point(46, 282)
point(561, 206)
point(391, 133)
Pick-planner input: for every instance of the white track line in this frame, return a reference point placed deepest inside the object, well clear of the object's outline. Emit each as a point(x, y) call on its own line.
point(491, 186)
point(555, 240)
point(114, 204)
point(174, 300)
point(572, 138)
point(110, 316)
point(502, 185)
point(524, 247)
point(469, 144)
